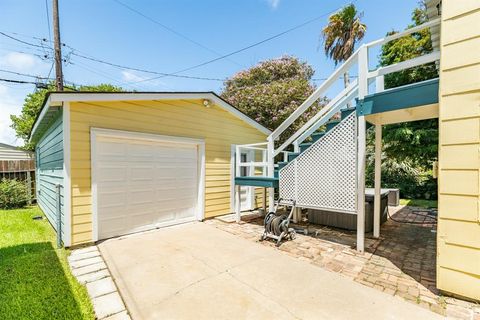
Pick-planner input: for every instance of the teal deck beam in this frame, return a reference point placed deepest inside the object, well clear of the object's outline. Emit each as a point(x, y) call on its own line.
point(256, 181)
point(408, 96)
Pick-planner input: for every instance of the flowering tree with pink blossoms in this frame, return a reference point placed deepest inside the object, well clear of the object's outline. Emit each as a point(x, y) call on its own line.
point(270, 91)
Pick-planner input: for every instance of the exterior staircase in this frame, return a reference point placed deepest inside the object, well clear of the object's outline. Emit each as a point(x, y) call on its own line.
point(326, 169)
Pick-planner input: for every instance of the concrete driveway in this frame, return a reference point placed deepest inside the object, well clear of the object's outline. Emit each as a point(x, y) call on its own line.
point(196, 271)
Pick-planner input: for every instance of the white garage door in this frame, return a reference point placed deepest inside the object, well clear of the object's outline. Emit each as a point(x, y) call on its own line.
point(142, 183)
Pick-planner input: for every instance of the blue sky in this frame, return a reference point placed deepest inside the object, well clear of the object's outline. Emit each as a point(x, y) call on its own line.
point(106, 30)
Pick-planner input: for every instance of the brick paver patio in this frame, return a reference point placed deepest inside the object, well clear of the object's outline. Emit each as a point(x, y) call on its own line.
point(400, 263)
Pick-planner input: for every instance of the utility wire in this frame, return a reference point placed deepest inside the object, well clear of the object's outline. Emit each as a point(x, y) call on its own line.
point(18, 81)
point(176, 74)
point(162, 74)
point(21, 41)
point(170, 29)
point(35, 83)
point(48, 21)
point(75, 52)
point(247, 47)
point(23, 74)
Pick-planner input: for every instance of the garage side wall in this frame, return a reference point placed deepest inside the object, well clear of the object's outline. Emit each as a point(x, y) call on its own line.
point(49, 153)
point(182, 118)
point(458, 263)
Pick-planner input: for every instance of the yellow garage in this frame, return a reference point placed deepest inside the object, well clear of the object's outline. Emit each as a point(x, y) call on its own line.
point(128, 162)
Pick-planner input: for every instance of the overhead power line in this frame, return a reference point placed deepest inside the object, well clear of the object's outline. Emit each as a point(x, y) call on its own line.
point(249, 46)
point(88, 57)
point(48, 21)
point(23, 74)
point(37, 84)
point(170, 29)
point(176, 74)
point(17, 81)
point(21, 41)
point(143, 70)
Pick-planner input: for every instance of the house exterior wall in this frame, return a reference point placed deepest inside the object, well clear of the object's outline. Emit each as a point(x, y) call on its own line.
point(458, 243)
point(49, 158)
point(182, 118)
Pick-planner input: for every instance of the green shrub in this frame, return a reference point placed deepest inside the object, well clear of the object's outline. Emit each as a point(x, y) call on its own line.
point(13, 194)
point(410, 179)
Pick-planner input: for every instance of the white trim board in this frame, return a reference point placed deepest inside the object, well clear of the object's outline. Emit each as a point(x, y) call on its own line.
point(96, 132)
point(67, 182)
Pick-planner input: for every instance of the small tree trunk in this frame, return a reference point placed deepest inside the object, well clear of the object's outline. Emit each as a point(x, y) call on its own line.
point(346, 82)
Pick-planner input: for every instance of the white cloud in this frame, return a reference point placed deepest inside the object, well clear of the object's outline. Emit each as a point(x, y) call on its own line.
point(22, 62)
point(10, 103)
point(273, 3)
point(131, 77)
point(12, 95)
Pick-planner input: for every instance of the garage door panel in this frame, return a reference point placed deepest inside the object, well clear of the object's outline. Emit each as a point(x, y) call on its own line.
point(113, 199)
point(137, 197)
point(108, 174)
point(141, 173)
point(143, 184)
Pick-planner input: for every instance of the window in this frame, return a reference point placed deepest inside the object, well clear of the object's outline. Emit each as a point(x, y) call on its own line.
point(243, 170)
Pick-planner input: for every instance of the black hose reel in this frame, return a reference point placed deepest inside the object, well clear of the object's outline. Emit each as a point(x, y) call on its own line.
point(277, 226)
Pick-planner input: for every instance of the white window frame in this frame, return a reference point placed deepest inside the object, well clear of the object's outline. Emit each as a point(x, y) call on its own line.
point(200, 143)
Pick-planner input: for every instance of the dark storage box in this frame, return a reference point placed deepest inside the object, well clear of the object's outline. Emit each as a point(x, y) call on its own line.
point(349, 221)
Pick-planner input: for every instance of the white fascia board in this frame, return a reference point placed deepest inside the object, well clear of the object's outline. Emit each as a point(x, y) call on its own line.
point(44, 111)
point(85, 97)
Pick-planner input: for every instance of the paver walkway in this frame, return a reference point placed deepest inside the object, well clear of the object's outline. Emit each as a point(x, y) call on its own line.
point(90, 269)
point(401, 263)
point(196, 271)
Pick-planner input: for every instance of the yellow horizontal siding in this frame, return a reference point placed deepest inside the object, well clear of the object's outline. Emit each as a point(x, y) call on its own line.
point(459, 207)
point(458, 245)
point(460, 106)
point(458, 28)
point(183, 118)
point(461, 283)
point(460, 258)
point(454, 8)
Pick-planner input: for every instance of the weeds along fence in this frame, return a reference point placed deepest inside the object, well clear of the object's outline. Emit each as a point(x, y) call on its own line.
point(21, 170)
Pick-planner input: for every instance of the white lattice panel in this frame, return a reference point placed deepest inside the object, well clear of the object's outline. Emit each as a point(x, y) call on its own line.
point(325, 175)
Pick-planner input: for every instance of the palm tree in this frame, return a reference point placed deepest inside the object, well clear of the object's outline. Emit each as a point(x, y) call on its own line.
point(343, 31)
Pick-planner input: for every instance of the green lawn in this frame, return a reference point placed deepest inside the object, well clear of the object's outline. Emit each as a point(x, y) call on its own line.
point(419, 203)
point(35, 280)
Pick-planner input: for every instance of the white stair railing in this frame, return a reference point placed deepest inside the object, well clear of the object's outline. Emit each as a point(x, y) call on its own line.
point(357, 89)
point(338, 103)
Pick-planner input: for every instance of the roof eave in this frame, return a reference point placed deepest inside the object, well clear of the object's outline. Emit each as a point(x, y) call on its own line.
point(55, 100)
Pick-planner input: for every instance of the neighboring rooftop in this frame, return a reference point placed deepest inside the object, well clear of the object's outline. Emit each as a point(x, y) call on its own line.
point(8, 152)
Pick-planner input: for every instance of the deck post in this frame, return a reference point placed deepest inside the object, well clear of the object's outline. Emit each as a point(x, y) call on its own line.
point(271, 199)
point(361, 185)
point(378, 180)
point(361, 148)
point(264, 202)
point(270, 172)
point(238, 205)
